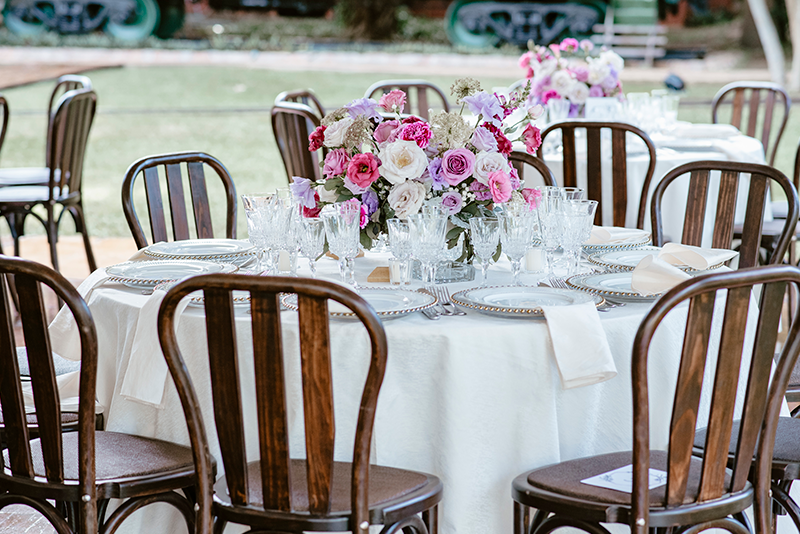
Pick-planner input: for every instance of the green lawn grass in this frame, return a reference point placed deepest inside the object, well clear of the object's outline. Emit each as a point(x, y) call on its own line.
point(222, 111)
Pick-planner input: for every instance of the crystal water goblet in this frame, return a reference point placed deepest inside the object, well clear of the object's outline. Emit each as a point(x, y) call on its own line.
point(342, 230)
point(399, 239)
point(577, 217)
point(427, 235)
point(254, 206)
point(312, 241)
point(549, 225)
point(485, 236)
point(516, 228)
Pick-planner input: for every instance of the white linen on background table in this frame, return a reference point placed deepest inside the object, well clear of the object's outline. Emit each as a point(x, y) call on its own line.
point(475, 400)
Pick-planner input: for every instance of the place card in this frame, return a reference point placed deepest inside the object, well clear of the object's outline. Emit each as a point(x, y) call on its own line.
point(380, 274)
point(621, 479)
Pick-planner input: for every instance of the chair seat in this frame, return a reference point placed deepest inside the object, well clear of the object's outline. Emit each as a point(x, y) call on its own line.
point(386, 485)
point(780, 209)
point(22, 176)
point(67, 418)
point(25, 194)
point(786, 453)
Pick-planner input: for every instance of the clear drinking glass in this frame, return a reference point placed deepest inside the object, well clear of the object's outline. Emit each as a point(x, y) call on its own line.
point(549, 225)
point(342, 231)
point(427, 235)
point(399, 240)
point(312, 241)
point(516, 230)
point(485, 235)
point(255, 205)
point(577, 218)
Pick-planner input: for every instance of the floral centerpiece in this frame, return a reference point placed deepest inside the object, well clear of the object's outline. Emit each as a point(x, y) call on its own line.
point(569, 71)
point(392, 164)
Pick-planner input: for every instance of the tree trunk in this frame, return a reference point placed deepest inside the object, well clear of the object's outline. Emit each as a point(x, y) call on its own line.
point(770, 41)
point(370, 20)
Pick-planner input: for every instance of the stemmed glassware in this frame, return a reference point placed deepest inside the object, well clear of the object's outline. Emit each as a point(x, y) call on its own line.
point(549, 225)
point(256, 208)
point(485, 235)
point(312, 241)
point(342, 230)
point(427, 233)
point(577, 218)
point(516, 229)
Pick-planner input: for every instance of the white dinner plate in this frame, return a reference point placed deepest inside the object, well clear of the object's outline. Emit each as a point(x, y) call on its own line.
point(627, 260)
point(519, 301)
point(201, 249)
point(612, 285)
point(388, 303)
point(148, 274)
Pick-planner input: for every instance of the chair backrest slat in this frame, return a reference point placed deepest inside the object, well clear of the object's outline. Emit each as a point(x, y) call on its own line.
point(292, 124)
point(687, 395)
point(201, 212)
point(177, 201)
point(753, 217)
point(426, 94)
point(738, 107)
point(766, 129)
point(69, 135)
point(520, 160)
point(618, 203)
point(726, 209)
point(752, 118)
point(64, 84)
point(303, 96)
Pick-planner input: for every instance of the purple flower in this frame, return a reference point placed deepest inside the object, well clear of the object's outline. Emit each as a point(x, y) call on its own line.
point(364, 107)
point(457, 165)
point(573, 110)
point(353, 187)
point(581, 74)
point(303, 192)
point(434, 168)
point(596, 90)
point(452, 201)
point(609, 83)
point(370, 201)
point(484, 140)
point(481, 191)
point(486, 105)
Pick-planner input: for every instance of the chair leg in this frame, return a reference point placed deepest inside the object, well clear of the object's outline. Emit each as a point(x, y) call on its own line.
point(431, 519)
point(52, 235)
point(538, 519)
point(80, 223)
point(409, 525)
point(780, 495)
point(521, 518)
point(134, 504)
point(219, 525)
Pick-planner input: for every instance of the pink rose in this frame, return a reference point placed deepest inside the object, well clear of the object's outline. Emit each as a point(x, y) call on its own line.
point(547, 95)
point(500, 186)
point(316, 138)
point(525, 60)
point(393, 101)
point(385, 130)
point(419, 132)
point(364, 217)
point(457, 165)
point(532, 197)
point(363, 170)
point(335, 163)
point(532, 137)
point(569, 44)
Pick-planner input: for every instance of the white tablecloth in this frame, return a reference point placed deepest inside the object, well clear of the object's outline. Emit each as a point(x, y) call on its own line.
point(475, 400)
point(670, 153)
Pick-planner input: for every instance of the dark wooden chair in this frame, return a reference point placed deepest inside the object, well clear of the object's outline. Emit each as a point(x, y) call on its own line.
point(277, 493)
point(4, 116)
point(303, 96)
point(618, 204)
point(41, 175)
point(746, 98)
point(699, 492)
point(292, 123)
point(70, 477)
point(761, 178)
point(69, 135)
point(421, 96)
point(522, 160)
point(148, 168)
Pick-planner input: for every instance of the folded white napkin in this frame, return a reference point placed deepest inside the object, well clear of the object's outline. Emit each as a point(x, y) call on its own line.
point(585, 359)
point(695, 257)
point(147, 371)
point(653, 276)
point(140, 255)
point(705, 131)
point(607, 235)
point(64, 337)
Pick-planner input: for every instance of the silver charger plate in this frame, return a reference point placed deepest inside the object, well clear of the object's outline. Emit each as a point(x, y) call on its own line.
point(388, 303)
point(612, 285)
point(201, 249)
point(591, 249)
point(519, 301)
point(148, 274)
point(196, 299)
point(628, 259)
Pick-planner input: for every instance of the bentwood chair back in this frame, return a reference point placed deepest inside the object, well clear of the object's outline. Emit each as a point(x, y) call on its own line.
point(303, 96)
point(278, 493)
point(522, 161)
point(698, 491)
point(64, 84)
point(748, 114)
point(292, 123)
point(80, 471)
point(171, 175)
point(4, 117)
point(620, 131)
point(731, 177)
point(421, 96)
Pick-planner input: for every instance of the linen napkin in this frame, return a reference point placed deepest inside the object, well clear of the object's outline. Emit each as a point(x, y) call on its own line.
point(695, 257)
point(653, 276)
point(607, 235)
point(64, 337)
point(583, 359)
point(69, 387)
point(147, 371)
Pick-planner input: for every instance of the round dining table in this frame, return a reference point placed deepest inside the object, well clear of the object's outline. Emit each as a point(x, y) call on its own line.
point(474, 399)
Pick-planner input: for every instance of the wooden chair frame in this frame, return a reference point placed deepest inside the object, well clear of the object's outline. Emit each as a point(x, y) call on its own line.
point(520, 159)
point(5, 115)
point(148, 168)
point(774, 92)
point(421, 88)
point(761, 177)
point(292, 123)
point(302, 96)
point(277, 512)
point(594, 165)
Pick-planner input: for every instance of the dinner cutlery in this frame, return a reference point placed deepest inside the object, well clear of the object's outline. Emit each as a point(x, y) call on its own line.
point(443, 295)
point(559, 283)
point(430, 314)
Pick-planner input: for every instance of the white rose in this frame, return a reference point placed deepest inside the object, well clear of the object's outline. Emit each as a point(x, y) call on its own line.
point(406, 198)
point(578, 93)
point(334, 134)
point(597, 72)
point(401, 161)
point(547, 67)
point(486, 162)
point(561, 82)
point(612, 59)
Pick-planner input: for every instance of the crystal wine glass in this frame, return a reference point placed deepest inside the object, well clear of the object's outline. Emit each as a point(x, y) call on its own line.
point(399, 240)
point(549, 224)
point(254, 206)
point(342, 231)
point(427, 235)
point(485, 235)
point(516, 229)
point(577, 217)
point(312, 241)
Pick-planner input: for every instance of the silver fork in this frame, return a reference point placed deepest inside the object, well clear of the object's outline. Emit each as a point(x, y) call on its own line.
point(443, 294)
point(561, 284)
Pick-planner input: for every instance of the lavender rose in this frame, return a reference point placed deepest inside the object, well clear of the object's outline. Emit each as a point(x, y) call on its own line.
point(457, 165)
point(487, 105)
point(484, 140)
point(435, 174)
point(452, 201)
point(364, 107)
